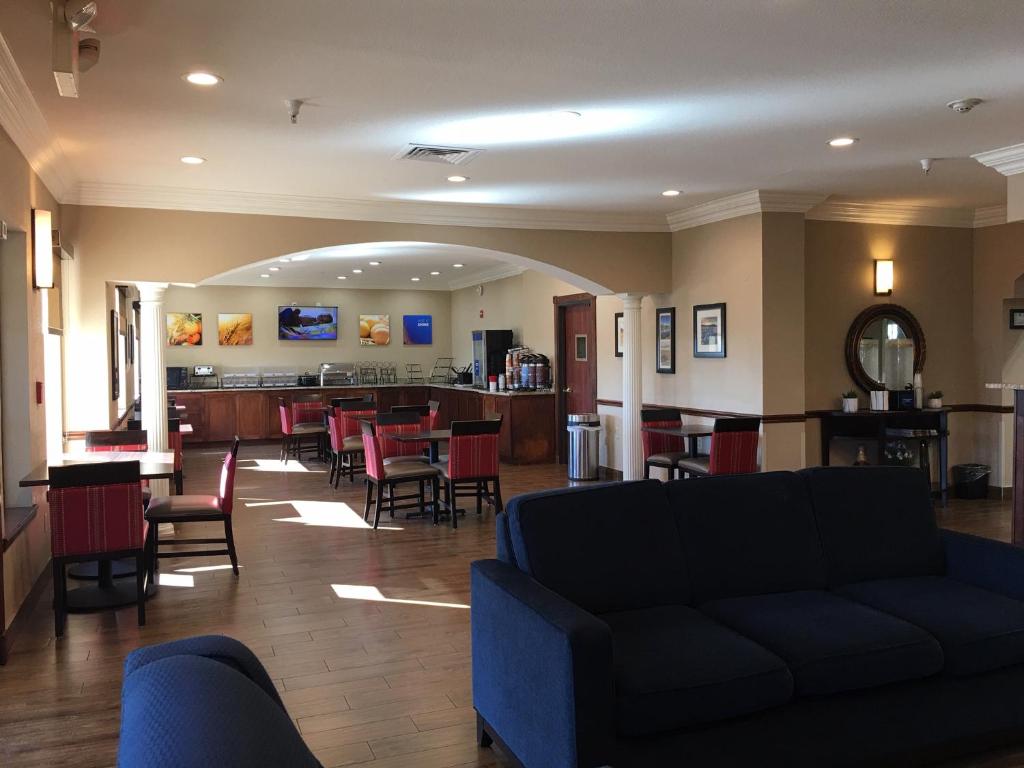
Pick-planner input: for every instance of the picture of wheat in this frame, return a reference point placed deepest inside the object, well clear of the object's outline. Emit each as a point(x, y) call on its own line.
point(235, 329)
point(184, 329)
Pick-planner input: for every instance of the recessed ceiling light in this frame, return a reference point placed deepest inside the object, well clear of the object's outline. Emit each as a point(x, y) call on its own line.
point(203, 78)
point(435, 273)
point(264, 275)
point(458, 266)
point(357, 271)
point(342, 277)
point(284, 260)
point(670, 193)
point(275, 269)
point(300, 257)
point(193, 160)
point(414, 279)
point(843, 141)
point(374, 263)
point(458, 179)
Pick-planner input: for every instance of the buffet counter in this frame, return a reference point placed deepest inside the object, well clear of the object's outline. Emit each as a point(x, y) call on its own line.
point(527, 433)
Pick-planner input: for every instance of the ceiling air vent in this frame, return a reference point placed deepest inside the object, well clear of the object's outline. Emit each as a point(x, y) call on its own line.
point(449, 155)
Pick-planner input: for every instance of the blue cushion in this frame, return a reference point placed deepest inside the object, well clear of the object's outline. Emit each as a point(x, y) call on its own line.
point(675, 668)
point(606, 548)
point(830, 643)
point(977, 629)
point(875, 523)
point(503, 541)
point(747, 535)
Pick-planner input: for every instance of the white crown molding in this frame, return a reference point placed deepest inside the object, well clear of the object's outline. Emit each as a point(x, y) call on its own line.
point(989, 217)
point(892, 213)
point(23, 121)
point(497, 272)
point(1007, 160)
point(395, 211)
point(743, 204)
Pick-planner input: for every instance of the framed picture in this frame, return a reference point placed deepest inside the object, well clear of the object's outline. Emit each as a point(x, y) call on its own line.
point(115, 379)
point(130, 352)
point(666, 336)
point(184, 329)
point(709, 330)
point(417, 330)
point(1016, 319)
point(234, 329)
point(295, 323)
point(374, 330)
point(620, 334)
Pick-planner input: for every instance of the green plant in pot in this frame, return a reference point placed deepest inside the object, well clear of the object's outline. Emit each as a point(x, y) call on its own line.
point(935, 399)
point(850, 402)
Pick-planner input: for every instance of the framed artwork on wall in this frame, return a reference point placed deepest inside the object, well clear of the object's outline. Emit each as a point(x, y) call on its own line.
point(115, 378)
point(620, 334)
point(374, 330)
point(417, 330)
point(665, 355)
point(709, 330)
point(184, 329)
point(234, 329)
point(1016, 319)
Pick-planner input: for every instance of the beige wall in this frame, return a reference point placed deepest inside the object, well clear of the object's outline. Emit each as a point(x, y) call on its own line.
point(301, 356)
point(1015, 197)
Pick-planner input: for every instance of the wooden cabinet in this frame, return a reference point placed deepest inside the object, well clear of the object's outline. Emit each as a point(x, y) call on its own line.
point(252, 415)
point(221, 416)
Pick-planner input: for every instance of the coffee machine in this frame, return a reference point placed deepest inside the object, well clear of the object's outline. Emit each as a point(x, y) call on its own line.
point(489, 348)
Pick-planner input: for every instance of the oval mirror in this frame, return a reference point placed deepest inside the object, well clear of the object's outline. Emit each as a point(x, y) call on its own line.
point(885, 347)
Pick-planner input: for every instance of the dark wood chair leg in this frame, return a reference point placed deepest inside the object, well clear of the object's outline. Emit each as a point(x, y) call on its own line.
point(423, 498)
point(140, 586)
point(391, 500)
point(452, 504)
point(647, 471)
point(378, 505)
point(179, 482)
point(435, 494)
point(479, 498)
point(369, 498)
point(152, 544)
point(482, 737)
point(59, 604)
point(498, 505)
point(229, 539)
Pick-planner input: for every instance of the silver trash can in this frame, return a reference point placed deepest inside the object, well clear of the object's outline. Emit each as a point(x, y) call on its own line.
point(584, 445)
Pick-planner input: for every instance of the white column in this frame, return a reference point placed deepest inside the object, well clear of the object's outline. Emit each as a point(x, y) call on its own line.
point(632, 388)
point(152, 337)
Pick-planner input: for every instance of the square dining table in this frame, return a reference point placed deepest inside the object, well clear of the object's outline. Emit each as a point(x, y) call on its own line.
point(690, 432)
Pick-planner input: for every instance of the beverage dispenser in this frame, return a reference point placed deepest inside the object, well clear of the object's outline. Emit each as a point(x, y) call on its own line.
point(489, 348)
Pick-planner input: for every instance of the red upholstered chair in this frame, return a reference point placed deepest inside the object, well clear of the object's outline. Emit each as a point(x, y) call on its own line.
point(96, 514)
point(663, 451)
point(382, 478)
point(194, 508)
point(118, 440)
point(294, 431)
point(307, 408)
point(407, 422)
point(423, 411)
point(472, 462)
point(435, 413)
point(733, 449)
point(348, 413)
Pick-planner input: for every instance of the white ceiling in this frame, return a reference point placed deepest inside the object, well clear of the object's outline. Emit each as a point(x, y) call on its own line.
point(713, 98)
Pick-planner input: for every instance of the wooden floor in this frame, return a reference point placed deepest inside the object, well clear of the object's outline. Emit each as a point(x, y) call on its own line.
point(365, 633)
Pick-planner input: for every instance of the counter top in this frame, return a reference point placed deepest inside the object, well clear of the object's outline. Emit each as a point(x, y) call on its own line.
point(1004, 386)
point(200, 390)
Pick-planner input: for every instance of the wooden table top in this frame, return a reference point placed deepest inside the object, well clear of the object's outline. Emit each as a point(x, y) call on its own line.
point(415, 437)
point(683, 430)
point(153, 465)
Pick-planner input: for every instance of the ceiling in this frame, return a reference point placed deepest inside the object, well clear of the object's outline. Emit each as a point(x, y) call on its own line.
point(398, 263)
point(712, 98)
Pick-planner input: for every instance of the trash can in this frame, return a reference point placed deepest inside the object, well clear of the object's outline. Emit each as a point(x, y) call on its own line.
point(970, 481)
point(584, 445)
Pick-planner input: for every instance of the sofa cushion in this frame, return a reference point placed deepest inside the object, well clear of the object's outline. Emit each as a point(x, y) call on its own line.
point(875, 523)
point(747, 535)
point(831, 644)
point(609, 547)
point(977, 629)
point(676, 668)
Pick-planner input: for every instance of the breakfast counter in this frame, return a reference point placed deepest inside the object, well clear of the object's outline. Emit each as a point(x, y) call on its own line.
point(528, 418)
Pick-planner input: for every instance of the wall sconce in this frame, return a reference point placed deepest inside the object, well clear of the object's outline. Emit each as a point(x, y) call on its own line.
point(883, 277)
point(42, 248)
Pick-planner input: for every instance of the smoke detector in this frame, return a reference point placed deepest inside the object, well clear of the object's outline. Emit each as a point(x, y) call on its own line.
point(963, 106)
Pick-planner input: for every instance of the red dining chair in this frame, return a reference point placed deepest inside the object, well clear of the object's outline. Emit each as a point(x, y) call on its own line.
point(664, 451)
point(435, 413)
point(423, 411)
point(195, 508)
point(294, 432)
point(103, 441)
point(407, 422)
point(733, 449)
point(96, 514)
point(472, 461)
point(348, 413)
point(382, 478)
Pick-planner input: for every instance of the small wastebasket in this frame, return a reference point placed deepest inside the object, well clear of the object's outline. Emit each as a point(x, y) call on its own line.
point(970, 481)
point(584, 445)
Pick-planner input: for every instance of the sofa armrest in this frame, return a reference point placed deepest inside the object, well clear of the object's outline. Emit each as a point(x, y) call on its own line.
point(542, 670)
point(992, 565)
point(220, 648)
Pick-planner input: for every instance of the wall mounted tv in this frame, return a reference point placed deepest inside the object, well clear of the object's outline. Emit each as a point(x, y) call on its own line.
point(295, 323)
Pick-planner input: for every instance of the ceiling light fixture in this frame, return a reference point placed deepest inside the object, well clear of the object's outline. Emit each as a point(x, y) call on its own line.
point(264, 275)
point(193, 160)
point(458, 266)
point(435, 273)
point(342, 277)
point(670, 193)
point(374, 263)
point(843, 141)
point(275, 269)
point(203, 78)
point(458, 179)
point(357, 271)
point(300, 257)
point(414, 279)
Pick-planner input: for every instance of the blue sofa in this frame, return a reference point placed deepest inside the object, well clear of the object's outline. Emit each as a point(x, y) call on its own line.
point(817, 618)
point(201, 702)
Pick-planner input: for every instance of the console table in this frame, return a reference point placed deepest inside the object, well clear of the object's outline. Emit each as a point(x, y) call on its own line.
point(884, 426)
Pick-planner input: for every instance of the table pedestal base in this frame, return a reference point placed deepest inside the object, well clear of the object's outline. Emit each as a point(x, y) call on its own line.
point(99, 597)
point(91, 571)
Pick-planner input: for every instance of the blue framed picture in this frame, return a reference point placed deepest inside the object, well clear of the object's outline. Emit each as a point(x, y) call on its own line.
point(417, 330)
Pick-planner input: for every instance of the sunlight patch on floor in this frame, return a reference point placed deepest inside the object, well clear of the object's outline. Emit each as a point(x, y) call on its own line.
point(328, 514)
point(357, 592)
point(176, 580)
point(205, 568)
point(273, 465)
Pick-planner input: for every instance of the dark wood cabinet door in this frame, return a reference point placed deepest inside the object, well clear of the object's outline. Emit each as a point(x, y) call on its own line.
point(221, 416)
point(195, 414)
point(251, 415)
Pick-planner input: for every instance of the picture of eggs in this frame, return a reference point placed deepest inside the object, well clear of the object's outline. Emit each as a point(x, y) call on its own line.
point(374, 330)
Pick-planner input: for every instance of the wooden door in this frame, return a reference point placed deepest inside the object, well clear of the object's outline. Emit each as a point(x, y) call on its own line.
point(575, 360)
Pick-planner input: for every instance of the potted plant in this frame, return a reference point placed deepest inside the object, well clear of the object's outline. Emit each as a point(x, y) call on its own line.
point(850, 402)
point(935, 399)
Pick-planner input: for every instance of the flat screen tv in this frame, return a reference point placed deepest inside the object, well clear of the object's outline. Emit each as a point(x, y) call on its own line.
point(307, 323)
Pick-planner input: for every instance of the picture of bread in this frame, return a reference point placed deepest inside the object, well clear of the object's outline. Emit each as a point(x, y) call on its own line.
point(374, 330)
